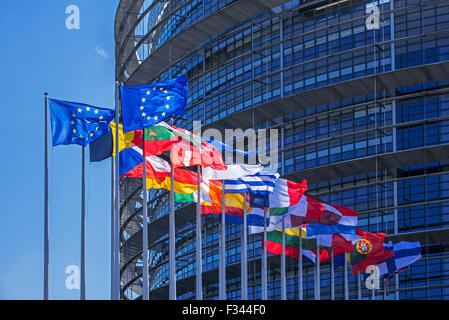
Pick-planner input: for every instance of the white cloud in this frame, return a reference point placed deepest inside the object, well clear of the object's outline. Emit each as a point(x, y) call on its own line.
point(102, 52)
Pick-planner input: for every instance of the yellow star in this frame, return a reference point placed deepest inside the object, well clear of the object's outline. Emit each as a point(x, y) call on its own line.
point(79, 110)
point(72, 122)
point(88, 109)
point(154, 88)
point(143, 99)
point(148, 92)
point(148, 118)
point(91, 134)
point(167, 107)
point(73, 115)
point(165, 91)
point(163, 114)
point(168, 98)
point(96, 111)
point(141, 108)
point(161, 89)
point(74, 130)
point(80, 137)
point(155, 118)
point(96, 129)
point(143, 114)
point(101, 117)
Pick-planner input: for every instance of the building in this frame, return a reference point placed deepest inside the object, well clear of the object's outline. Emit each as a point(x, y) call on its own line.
point(363, 114)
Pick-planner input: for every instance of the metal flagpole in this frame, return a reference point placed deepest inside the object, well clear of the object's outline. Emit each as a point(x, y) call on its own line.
point(300, 289)
point(83, 225)
point(222, 266)
point(172, 245)
point(46, 217)
point(117, 195)
point(244, 259)
point(346, 276)
point(332, 275)
point(145, 283)
point(283, 278)
point(264, 258)
point(318, 287)
point(359, 287)
point(199, 280)
point(112, 230)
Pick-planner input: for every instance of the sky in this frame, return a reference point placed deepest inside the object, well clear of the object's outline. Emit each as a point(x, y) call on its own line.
point(39, 54)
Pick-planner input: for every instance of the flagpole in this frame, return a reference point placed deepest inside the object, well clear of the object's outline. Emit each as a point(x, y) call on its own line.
point(244, 258)
point(199, 280)
point(264, 257)
point(145, 283)
point(283, 280)
point(359, 287)
point(346, 276)
point(318, 287)
point(300, 288)
point(222, 266)
point(112, 229)
point(332, 275)
point(83, 225)
point(46, 206)
point(172, 245)
point(117, 286)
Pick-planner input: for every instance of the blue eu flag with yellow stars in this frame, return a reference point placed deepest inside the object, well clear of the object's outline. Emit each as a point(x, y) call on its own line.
point(146, 105)
point(78, 123)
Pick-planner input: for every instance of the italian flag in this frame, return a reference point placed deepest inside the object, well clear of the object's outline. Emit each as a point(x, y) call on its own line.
point(286, 193)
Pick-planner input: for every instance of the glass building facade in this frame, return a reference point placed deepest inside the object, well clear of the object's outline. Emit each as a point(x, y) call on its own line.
point(363, 115)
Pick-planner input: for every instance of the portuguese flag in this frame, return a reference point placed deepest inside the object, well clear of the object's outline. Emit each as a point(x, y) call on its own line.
point(368, 250)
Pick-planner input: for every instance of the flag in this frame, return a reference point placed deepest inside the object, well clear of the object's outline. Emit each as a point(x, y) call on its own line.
point(104, 147)
point(312, 210)
point(368, 250)
point(229, 151)
point(286, 193)
point(101, 148)
point(233, 171)
point(78, 123)
point(126, 140)
point(405, 254)
point(147, 105)
point(191, 150)
point(158, 139)
point(158, 175)
point(261, 183)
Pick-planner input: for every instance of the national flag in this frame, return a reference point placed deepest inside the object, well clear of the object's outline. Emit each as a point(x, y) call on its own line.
point(286, 193)
point(229, 152)
point(312, 210)
point(104, 147)
point(232, 171)
point(146, 105)
point(159, 175)
point(158, 139)
point(192, 150)
point(261, 183)
point(368, 250)
point(78, 123)
point(405, 254)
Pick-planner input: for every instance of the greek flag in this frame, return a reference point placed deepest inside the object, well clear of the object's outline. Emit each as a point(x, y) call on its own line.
point(261, 183)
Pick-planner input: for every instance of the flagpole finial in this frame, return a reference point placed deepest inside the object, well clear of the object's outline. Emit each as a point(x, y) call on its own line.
point(45, 93)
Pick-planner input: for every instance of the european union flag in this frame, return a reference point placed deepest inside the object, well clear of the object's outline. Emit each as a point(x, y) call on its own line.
point(147, 105)
point(78, 123)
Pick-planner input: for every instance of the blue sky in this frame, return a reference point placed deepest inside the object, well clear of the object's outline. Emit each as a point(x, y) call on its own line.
point(38, 54)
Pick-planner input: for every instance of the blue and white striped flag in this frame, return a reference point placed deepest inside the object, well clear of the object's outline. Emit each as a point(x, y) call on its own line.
point(261, 183)
point(405, 253)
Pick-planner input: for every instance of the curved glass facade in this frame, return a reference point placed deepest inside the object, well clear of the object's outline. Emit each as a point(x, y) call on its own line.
point(367, 125)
